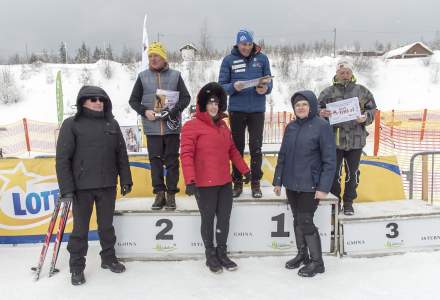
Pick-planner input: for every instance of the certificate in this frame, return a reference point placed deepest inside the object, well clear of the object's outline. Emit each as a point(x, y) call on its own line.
point(344, 110)
point(256, 81)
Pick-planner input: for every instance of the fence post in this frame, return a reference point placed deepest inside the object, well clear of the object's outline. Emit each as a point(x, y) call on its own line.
point(425, 177)
point(376, 132)
point(422, 130)
point(392, 123)
point(26, 135)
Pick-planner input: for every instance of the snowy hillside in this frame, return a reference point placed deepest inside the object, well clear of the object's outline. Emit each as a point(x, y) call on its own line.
point(397, 84)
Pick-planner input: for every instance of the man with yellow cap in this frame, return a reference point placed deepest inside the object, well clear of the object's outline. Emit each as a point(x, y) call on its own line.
point(161, 122)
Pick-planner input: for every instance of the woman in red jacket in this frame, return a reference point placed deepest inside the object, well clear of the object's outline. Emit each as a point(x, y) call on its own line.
point(206, 150)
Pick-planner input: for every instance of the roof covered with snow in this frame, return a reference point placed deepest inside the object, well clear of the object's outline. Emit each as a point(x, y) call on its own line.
point(403, 50)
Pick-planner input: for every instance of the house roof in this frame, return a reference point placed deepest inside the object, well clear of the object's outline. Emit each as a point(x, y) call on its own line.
point(188, 46)
point(402, 50)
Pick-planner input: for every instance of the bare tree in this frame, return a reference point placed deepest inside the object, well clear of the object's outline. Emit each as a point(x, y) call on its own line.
point(205, 41)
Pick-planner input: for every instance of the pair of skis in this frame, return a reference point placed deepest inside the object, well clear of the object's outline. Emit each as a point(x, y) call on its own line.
point(65, 204)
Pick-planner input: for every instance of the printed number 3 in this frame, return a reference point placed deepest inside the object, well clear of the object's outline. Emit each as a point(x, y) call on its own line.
point(394, 232)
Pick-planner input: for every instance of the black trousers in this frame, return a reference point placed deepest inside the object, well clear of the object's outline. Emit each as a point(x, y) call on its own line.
point(163, 150)
point(215, 201)
point(82, 208)
point(352, 159)
point(255, 125)
point(303, 205)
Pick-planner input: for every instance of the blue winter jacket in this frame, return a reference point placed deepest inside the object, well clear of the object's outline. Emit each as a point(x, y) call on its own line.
point(236, 67)
point(307, 158)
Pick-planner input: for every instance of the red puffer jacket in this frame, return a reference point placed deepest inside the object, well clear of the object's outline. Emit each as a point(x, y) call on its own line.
point(206, 148)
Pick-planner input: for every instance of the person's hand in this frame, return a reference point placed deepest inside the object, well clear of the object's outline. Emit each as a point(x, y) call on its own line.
point(320, 195)
point(247, 178)
point(190, 189)
point(325, 113)
point(277, 190)
point(67, 197)
point(261, 89)
point(149, 114)
point(238, 86)
point(125, 189)
point(361, 119)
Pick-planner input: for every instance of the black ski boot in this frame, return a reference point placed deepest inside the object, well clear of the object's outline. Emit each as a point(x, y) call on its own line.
point(238, 189)
point(170, 202)
point(316, 264)
point(224, 260)
point(212, 261)
point(159, 201)
point(302, 257)
point(78, 278)
point(115, 266)
point(256, 190)
point(348, 209)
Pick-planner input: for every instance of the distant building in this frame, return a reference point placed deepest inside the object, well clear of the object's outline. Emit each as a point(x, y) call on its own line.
point(360, 53)
point(188, 52)
point(417, 49)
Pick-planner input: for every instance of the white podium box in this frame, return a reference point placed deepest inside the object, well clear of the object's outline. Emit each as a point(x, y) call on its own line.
point(257, 227)
point(381, 228)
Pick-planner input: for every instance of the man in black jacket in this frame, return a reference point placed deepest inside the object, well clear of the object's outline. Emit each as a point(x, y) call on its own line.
point(90, 155)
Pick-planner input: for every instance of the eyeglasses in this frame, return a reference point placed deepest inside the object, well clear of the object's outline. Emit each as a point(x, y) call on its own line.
point(94, 99)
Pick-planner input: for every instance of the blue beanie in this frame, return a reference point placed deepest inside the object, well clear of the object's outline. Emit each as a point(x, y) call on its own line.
point(244, 36)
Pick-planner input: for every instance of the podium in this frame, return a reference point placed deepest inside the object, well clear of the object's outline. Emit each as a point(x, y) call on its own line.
point(258, 227)
point(388, 227)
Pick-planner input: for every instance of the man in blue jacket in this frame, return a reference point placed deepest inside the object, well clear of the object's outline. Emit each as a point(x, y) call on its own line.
point(246, 105)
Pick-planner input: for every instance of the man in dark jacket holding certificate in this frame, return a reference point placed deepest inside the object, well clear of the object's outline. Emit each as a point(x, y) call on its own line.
point(350, 136)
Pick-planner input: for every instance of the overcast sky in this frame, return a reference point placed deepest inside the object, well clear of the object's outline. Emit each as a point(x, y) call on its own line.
point(45, 23)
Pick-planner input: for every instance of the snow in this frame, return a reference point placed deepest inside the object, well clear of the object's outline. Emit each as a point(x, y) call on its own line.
point(409, 276)
point(410, 84)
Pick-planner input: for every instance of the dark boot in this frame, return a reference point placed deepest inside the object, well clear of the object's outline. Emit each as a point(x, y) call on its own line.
point(348, 209)
point(78, 278)
point(256, 190)
point(224, 260)
point(302, 257)
point(212, 261)
point(115, 266)
point(170, 202)
point(316, 264)
point(159, 201)
point(238, 189)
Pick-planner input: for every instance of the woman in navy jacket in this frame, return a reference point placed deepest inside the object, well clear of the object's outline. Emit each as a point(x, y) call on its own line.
point(306, 166)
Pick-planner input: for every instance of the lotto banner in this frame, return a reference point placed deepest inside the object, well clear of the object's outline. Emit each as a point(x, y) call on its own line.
point(29, 191)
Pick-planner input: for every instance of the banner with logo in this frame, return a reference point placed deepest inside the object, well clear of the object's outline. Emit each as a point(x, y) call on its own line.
point(29, 189)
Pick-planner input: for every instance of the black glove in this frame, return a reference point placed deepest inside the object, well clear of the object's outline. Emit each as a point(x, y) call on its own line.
point(247, 178)
point(67, 197)
point(163, 114)
point(125, 189)
point(190, 189)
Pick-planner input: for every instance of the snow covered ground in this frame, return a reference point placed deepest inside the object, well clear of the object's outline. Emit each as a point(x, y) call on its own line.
point(409, 276)
point(402, 84)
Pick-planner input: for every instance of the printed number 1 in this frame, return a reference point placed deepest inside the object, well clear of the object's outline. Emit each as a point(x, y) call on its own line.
point(280, 227)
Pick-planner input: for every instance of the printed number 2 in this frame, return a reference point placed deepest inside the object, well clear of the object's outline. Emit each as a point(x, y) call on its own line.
point(280, 227)
point(394, 232)
point(162, 235)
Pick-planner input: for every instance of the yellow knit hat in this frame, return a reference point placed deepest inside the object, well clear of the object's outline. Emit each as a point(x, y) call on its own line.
point(159, 49)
